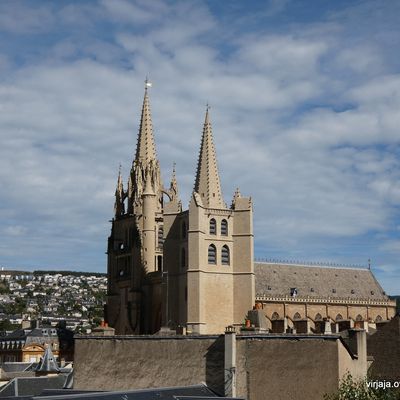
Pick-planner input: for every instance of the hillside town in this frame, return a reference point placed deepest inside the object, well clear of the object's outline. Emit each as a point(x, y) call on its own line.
point(51, 297)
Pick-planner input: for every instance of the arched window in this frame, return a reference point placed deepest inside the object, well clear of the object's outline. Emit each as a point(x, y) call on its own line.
point(274, 316)
point(212, 254)
point(318, 317)
point(224, 227)
point(183, 258)
point(378, 319)
point(339, 317)
point(359, 318)
point(160, 236)
point(213, 226)
point(297, 316)
point(225, 258)
point(183, 227)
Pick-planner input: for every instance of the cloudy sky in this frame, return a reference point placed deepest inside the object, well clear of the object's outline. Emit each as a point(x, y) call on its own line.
point(305, 106)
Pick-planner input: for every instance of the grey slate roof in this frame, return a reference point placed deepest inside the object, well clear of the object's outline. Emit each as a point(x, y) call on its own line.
point(199, 392)
point(48, 362)
point(16, 366)
point(32, 386)
point(278, 280)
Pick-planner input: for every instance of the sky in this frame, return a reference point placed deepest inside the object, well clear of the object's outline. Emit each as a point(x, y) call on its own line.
point(304, 101)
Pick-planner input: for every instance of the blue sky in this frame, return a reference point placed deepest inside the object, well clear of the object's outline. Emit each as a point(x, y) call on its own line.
point(305, 100)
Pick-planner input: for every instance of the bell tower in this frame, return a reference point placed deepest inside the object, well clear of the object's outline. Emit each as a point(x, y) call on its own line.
point(136, 240)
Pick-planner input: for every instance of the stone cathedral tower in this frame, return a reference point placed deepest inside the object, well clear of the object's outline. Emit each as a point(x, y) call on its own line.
point(169, 267)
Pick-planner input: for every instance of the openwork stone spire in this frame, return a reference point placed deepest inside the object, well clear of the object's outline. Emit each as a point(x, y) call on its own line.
point(145, 165)
point(146, 149)
point(207, 183)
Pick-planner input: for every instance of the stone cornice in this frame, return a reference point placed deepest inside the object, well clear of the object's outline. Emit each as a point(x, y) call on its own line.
point(326, 300)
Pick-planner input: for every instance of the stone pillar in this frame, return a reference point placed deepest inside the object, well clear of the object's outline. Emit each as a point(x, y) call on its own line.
point(149, 234)
point(361, 337)
point(327, 327)
point(230, 362)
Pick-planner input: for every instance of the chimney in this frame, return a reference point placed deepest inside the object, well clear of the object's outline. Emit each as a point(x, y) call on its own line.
point(230, 362)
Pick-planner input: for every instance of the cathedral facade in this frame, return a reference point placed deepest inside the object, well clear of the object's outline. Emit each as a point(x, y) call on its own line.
point(168, 267)
point(193, 269)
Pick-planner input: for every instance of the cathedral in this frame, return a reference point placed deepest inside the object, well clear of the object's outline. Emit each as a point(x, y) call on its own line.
point(193, 270)
point(173, 268)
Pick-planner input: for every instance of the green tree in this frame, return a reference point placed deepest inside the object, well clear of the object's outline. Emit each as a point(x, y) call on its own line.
point(350, 389)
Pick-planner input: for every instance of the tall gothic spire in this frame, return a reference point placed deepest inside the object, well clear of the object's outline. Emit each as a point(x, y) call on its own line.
point(146, 149)
point(207, 183)
point(145, 166)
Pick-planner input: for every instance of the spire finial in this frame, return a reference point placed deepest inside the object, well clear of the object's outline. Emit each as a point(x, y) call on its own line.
point(147, 83)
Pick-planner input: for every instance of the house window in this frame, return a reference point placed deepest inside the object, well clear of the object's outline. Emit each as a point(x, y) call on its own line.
point(378, 319)
point(213, 226)
point(212, 254)
point(297, 316)
point(225, 259)
point(183, 258)
point(318, 317)
point(339, 317)
point(224, 227)
point(359, 318)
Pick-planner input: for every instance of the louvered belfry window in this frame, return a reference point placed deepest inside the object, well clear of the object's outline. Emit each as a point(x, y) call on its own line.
point(212, 254)
point(224, 227)
point(213, 226)
point(225, 255)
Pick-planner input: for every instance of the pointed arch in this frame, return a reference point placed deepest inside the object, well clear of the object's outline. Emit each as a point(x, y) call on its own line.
point(339, 317)
point(212, 254)
point(378, 318)
point(318, 317)
point(274, 316)
point(213, 226)
point(359, 318)
point(297, 316)
point(225, 255)
point(224, 227)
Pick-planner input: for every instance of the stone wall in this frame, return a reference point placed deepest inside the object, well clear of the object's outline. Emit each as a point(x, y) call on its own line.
point(122, 363)
point(384, 346)
point(265, 366)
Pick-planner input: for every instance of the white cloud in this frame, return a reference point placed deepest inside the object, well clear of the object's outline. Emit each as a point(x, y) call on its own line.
point(317, 150)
